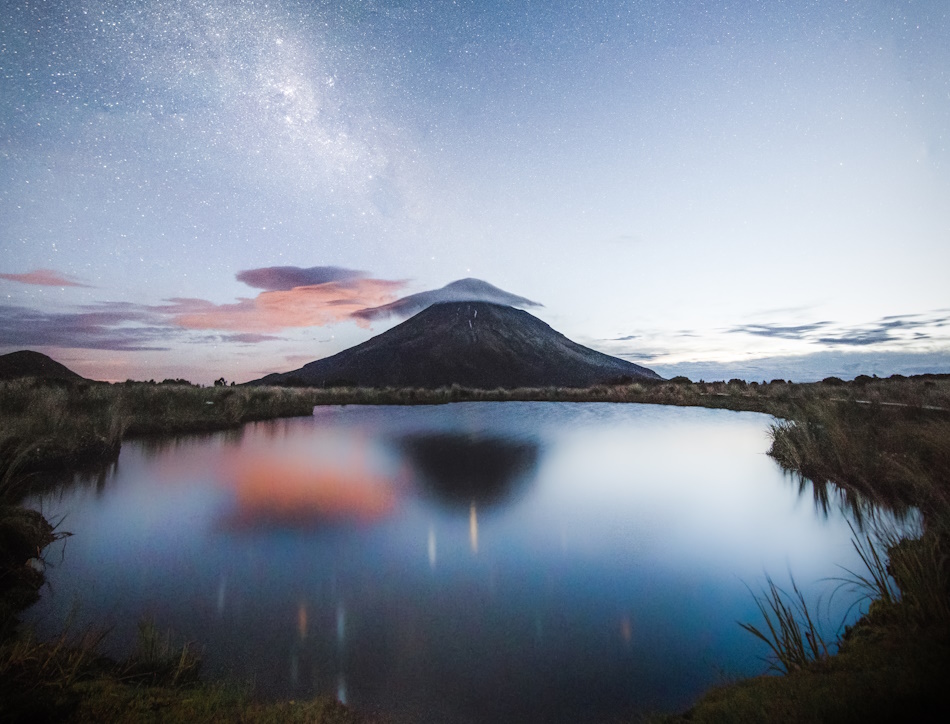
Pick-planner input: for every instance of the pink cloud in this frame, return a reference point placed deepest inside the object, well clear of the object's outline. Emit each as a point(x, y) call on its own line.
point(315, 305)
point(43, 278)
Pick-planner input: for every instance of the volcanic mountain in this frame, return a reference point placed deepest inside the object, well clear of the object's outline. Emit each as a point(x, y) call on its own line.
point(27, 363)
point(472, 344)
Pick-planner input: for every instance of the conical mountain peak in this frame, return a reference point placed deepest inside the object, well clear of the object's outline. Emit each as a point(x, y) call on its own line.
point(473, 344)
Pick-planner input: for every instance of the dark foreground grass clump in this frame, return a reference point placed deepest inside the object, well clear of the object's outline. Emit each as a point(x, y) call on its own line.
point(67, 680)
point(23, 536)
point(881, 673)
point(790, 631)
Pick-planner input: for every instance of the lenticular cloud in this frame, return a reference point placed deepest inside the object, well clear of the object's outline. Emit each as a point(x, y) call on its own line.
point(463, 290)
point(285, 278)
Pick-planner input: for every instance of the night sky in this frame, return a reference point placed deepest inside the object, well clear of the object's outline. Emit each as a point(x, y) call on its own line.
point(724, 188)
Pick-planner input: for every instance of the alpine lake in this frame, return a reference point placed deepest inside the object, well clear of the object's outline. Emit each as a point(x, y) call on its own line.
point(469, 562)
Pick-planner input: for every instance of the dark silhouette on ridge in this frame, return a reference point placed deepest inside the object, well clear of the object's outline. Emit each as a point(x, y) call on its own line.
point(472, 344)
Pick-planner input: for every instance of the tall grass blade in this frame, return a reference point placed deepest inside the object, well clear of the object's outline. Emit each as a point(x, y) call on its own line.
point(791, 632)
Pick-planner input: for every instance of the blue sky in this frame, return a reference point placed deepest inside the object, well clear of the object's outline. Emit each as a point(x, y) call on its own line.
point(717, 189)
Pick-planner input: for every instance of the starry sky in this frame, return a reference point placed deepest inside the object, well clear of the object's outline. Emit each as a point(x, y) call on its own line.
point(719, 188)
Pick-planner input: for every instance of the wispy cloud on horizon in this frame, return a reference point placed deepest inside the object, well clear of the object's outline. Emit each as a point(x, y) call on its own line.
point(120, 327)
point(44, 278)
point(115, 326)
point(811, 349)
point(899, 329)
point(813, 366)
point(799, 331)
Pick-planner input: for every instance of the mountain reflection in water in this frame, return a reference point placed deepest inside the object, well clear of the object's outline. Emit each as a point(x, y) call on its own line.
point(464, 470)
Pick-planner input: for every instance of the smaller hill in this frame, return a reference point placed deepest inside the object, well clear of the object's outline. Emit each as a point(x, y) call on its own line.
point(27, 363)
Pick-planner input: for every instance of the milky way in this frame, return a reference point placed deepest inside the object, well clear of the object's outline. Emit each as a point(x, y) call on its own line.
point(171, 115)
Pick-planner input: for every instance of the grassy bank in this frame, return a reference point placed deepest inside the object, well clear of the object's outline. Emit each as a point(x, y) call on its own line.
point(887, 675)
point(49, 425)
point(895, 456)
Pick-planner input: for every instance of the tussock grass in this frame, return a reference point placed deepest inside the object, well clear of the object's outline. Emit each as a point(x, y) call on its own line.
point(791, 631)
point(921, 569)
point(156, 660)
point(875, 582)
point(907, 578)
point(48, 425)
point(895, 456)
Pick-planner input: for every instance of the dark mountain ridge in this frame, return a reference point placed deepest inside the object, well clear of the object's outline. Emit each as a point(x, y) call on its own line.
point(473, 344)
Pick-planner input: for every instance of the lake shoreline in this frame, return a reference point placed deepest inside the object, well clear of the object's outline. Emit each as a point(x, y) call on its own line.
point(103, 420)
point(62, 425)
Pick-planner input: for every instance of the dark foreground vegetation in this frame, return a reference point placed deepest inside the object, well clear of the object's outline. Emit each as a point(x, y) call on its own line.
point(881, 440)
point(68, 680)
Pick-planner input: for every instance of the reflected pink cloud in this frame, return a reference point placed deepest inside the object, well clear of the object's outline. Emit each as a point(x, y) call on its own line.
point(301, 492)
point(315, 305)
point(43, 278)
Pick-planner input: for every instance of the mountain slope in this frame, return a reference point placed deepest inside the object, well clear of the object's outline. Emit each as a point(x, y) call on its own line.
point(472, 344)
point(27, 363)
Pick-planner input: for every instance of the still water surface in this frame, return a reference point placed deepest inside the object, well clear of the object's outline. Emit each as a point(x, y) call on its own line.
point(471, 562)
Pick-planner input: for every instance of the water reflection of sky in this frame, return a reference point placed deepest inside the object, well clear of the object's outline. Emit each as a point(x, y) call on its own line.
point(510, 561)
